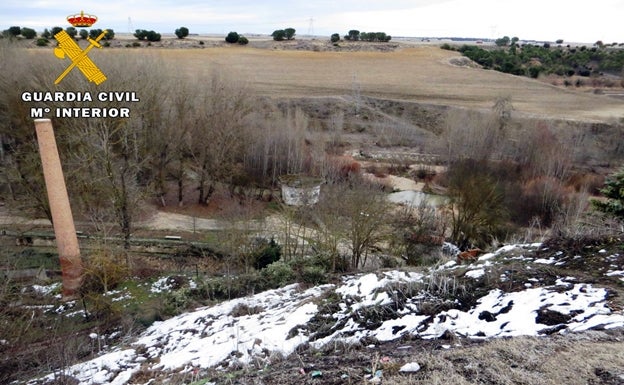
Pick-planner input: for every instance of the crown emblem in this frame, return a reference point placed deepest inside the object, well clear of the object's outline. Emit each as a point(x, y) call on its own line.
point(82, 20)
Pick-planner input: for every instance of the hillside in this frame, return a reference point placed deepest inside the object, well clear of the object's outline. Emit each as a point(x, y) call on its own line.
point(196, 272)
point(423, 74)
point(417, 72)
point(451, 320)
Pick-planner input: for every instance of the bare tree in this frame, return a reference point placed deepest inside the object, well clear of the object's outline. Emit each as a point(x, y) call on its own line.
point(110, 156)
point(170, 144)
point(477, 211)
point(503, 108)
point(360, 211)
point(417, 232)
point(470, 135)
point(280, 145)
point(21, 165)
point(219, 136)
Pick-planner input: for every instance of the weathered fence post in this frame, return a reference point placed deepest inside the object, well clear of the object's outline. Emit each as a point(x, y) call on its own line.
point(64, 229)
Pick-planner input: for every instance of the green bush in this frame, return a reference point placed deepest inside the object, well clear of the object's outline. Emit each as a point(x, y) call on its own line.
point(42, 42)
point(279, 274)
point(153, 36)
point(140, 34)
point(353, 34)
point(28, 33)
point(243, 40)
point(279, 35)
point(182, 32)
point(176, 302)
point(56, 30)
point(94, 33)
point(225, 288)
point(289, 33)
point(314, 275)
point(103, 271)
point(334, 38)
point(71, 31)
point(266, 253)
point(232, 37)
point(614, 192)
point(534, 71)
point(14, 30)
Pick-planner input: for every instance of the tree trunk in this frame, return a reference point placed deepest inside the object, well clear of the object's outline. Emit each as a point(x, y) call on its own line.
point(124, 212)
point(180, 192)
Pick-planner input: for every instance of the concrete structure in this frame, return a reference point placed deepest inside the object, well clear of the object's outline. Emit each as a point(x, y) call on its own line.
point(300, 190)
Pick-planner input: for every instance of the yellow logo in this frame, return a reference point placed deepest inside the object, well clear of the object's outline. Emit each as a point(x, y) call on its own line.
point(67, 46)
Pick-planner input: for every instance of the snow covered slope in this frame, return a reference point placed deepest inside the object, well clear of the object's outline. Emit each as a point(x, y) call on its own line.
point(382, 306)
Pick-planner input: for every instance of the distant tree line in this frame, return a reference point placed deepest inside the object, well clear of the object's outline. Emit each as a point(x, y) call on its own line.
point(355, 35)
point(143, 34)
point(15, 31)
point(48, 34)
point(531, 59)
point(283, 34)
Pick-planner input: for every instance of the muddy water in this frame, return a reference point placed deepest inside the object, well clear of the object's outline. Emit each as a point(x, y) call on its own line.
point(415, 198)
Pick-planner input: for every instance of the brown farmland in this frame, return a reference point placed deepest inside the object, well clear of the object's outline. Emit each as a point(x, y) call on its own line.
point(419, 74)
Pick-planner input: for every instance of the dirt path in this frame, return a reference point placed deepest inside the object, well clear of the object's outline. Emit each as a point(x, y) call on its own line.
point(167, 221)
point(172, 221)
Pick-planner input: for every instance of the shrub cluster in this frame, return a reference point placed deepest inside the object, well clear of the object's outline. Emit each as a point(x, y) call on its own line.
point(234, 37)
point(143, 34)
point(531, 60)
point(355, 35)
point(283, 34)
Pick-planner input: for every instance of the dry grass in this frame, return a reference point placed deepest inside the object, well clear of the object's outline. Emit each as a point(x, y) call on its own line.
point(421, 74)
point(577, 359)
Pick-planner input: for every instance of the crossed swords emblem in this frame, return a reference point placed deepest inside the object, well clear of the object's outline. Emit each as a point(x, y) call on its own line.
point(67, 46)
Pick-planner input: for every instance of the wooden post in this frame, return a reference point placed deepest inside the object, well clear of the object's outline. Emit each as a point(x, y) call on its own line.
point(64, 230)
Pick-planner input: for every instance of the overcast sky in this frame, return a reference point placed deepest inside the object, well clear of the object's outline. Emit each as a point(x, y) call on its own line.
point(543, 20)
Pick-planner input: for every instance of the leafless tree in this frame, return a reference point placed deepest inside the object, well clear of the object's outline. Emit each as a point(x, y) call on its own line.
point(357, 212)
point(279, 145)
point(470, 135)
point(219, 136)
point(109, 156)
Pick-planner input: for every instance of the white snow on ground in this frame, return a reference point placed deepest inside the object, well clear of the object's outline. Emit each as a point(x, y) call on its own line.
point(476, 273)
point(365, 287)
point(514, 314)
point(616, 273)
point(278, 321)
point(208, 336)
point(163, 284)
point(45, 290)
point(544, 261)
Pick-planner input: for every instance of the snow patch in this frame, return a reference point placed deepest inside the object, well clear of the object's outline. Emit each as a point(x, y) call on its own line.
point(475, 274)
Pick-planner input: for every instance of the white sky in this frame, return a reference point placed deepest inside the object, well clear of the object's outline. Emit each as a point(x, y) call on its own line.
point(543, 20)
